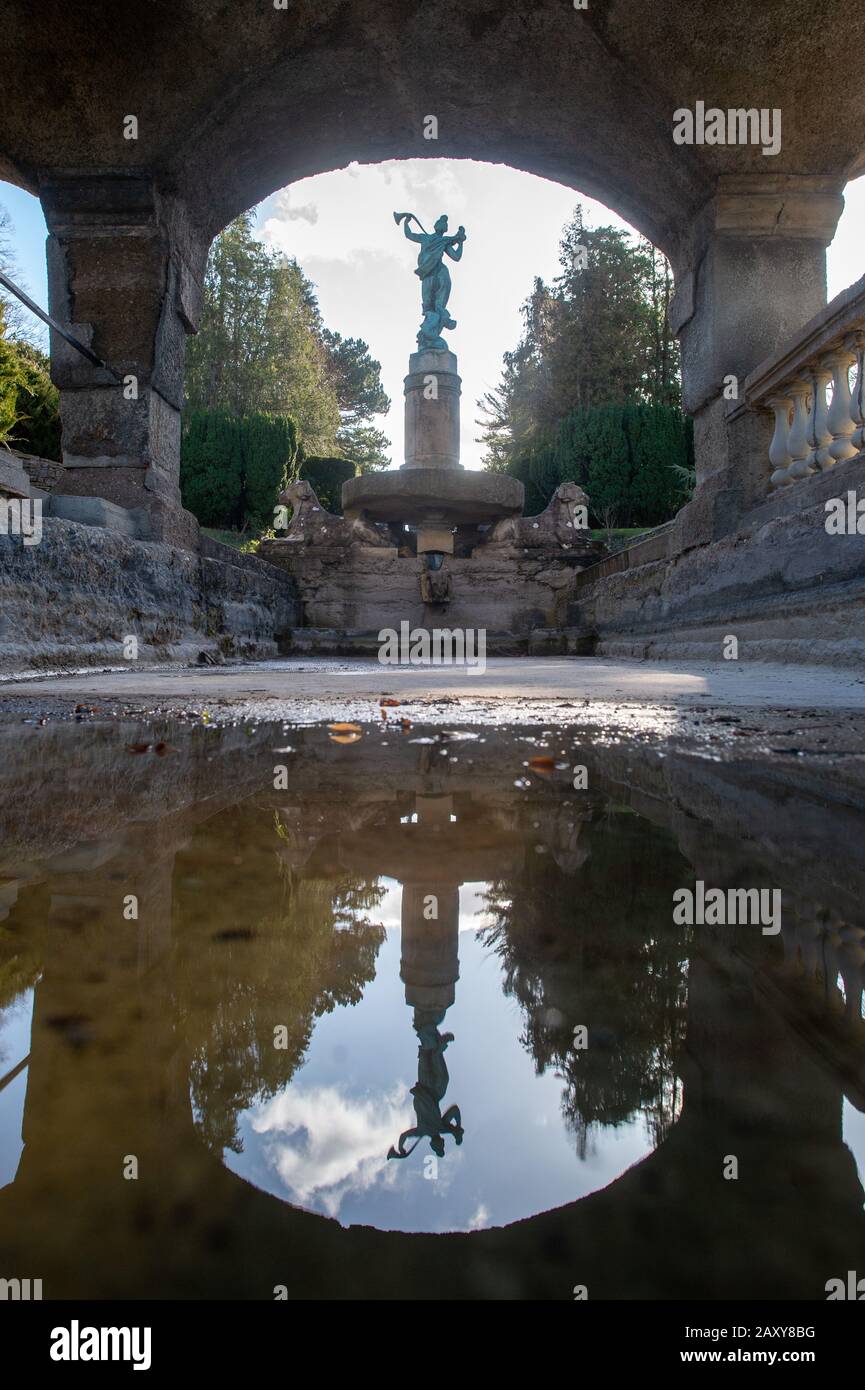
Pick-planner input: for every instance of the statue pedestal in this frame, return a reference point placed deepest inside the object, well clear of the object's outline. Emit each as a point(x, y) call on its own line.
point(432, 491)
point(432, 411)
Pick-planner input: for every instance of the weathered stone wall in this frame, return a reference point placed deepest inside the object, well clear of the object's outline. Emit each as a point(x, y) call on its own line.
point(503, 589)
point(43, 473)
point(787, 589)
point(70, 600)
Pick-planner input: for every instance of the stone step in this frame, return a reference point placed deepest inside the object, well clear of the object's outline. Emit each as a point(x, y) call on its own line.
point(572, 641)
point(98, 511)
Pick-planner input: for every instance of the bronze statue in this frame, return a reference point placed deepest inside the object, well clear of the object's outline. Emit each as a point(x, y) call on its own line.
point(434, 277)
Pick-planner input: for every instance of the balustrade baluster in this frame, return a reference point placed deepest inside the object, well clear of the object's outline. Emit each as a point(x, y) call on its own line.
point(839, 418)
point(779, 454)
point(820, 433)
point(798, 442)
point(856, 343)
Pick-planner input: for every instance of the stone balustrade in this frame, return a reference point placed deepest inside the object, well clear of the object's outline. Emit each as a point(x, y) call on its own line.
point(814, 388)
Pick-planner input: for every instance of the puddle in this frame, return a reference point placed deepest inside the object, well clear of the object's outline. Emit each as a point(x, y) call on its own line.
point(279, 1008)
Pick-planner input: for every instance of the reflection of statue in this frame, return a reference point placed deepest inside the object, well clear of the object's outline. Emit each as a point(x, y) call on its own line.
point(434, 277)
point(432, 1083)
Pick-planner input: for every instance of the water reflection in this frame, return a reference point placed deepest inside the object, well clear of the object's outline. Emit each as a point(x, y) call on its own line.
point(408, 994)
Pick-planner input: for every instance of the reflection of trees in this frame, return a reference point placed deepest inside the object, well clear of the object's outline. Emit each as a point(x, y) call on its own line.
point(600, 949)
point(300, 948)
point(20, 955)
point(19, 969)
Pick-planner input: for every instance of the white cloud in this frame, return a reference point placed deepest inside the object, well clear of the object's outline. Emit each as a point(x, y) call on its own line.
point(479, 1220)
point(325, 1145)
point(289, 213)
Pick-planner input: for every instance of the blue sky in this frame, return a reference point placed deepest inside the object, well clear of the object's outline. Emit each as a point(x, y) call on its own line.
point(340, 227)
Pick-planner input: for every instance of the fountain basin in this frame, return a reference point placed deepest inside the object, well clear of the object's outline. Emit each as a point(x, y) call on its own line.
point(446, 496)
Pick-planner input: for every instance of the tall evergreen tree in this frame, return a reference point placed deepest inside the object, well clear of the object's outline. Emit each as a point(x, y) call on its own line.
point(356, 379)
point(38, 428)
point(598, 336)
point(260, 348)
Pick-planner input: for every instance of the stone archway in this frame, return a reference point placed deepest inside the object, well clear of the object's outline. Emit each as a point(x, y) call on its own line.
point(230, 105)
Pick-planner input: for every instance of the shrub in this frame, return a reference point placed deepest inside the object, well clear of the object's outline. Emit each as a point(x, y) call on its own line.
point(232, 467)
point(327, 476)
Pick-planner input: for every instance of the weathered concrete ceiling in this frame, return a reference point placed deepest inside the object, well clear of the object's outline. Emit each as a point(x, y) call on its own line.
point(235, 99)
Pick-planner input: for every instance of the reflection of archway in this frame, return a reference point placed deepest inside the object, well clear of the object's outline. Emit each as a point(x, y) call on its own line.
point(669, 1227)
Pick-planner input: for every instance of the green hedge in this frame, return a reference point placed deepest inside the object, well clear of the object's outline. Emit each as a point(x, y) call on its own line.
point(624, 456)
point(233, 467)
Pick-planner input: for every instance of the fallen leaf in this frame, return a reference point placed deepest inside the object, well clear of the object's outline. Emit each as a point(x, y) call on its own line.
point(345, 728)
point(160, 749)
point(137, 747)
point(406, 723)
point(344, 738)
point(542, 766)
point(388, 700)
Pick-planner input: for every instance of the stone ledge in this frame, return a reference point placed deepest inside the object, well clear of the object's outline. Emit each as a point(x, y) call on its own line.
point(655, 546)
point(71, 600)
point(464, 496)
point(97, 511)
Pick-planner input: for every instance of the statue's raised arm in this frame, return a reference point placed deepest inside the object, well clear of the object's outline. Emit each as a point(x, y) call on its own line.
point(405, 218)
point(454, 247)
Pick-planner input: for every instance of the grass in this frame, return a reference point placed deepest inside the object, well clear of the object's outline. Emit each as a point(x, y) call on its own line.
point(233, 538)
point(244, 541)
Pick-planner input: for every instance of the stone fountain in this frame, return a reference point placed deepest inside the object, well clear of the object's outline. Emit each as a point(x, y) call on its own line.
point(433, 537)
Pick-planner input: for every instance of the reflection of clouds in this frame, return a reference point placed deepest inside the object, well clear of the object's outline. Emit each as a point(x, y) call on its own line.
point(325, 1145)
point(474, 914)
point(480, 1220)
point(389, 910)
point(473, 910)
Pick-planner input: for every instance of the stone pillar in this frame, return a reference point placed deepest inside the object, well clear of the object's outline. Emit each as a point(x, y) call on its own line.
point(432, 411)
point(125, 270)
point(753, 273)
point(432, 433)
point(430, 962)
